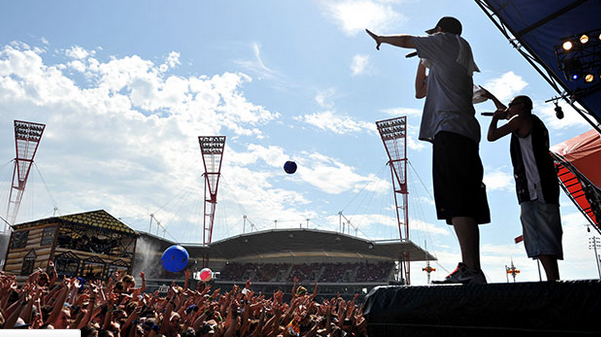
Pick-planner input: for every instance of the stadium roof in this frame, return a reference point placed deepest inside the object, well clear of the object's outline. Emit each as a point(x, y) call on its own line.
point(291, 242)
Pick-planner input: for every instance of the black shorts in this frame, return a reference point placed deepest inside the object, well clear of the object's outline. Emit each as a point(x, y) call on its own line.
point(457, 175)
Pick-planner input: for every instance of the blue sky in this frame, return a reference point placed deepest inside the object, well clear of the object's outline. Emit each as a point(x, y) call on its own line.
point(126, 88)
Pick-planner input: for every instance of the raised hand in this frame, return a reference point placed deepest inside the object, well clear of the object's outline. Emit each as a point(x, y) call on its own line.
point(376, 38)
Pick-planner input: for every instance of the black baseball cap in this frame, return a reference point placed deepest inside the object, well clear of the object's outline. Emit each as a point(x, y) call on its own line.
point(448, 24)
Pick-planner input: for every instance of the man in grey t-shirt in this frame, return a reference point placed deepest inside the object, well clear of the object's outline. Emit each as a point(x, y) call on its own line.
point(449, 123)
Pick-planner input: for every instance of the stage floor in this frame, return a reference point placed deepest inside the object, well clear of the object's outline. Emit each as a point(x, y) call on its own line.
point(533, 308)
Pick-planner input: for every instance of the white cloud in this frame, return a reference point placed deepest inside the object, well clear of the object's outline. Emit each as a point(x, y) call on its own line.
point(330, 121)
point(272, 155)
point(506, 86)
point(354, 16)
point(359, 64)
point(367, 222)
point(253, 190)
point(257, 51)
point(257, 65)
point(403, 112)
point(129, 129)
point(498, 179)
point(322, 98)
point(426, 227)
point(78, 65)
point(77, 52)
point(324, 173)
point(362, 222)
point(171, 61)
point(333, 177)
point(413, 142)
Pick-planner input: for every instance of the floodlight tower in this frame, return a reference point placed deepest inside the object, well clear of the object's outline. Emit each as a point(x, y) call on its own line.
point(211, 148)
point(27, 139)
point(394, 136)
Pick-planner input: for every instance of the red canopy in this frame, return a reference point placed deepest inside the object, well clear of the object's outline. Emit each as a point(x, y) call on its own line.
point(578, 163)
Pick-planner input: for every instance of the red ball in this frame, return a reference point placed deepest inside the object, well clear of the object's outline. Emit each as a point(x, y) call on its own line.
point(206, 274)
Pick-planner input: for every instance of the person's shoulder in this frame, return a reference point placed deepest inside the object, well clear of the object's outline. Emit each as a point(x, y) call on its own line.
point(521, 125)
point(432, 41)
point(536, 118)
point(435, 36)
point(520, 119)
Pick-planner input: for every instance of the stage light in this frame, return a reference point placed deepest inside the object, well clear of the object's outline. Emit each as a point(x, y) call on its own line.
point(578, 57)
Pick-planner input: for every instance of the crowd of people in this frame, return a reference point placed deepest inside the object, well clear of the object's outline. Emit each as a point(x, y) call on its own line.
point(307, 272)
point(118, 308)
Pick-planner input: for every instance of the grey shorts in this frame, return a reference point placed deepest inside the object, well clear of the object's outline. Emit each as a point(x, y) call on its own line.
point(541, 224)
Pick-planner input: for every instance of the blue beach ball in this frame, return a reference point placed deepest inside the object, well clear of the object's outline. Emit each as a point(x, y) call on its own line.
point(175, 258)
point(290, 167)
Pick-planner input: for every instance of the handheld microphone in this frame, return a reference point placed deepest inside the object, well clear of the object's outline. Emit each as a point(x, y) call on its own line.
point(411, 54)
point(488, 114)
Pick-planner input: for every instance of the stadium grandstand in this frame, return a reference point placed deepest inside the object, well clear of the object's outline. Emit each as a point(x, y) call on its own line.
point(340, 263)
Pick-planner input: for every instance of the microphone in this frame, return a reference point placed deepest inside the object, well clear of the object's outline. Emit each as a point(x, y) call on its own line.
point(488, 114)
point(411, 54)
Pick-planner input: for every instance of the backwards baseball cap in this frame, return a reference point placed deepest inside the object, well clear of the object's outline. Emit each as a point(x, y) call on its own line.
point(448, 24)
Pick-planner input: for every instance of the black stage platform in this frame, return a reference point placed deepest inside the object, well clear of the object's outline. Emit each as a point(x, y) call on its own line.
point(532, 308)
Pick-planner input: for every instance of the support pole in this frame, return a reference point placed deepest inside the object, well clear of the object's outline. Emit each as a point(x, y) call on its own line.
point(27, 140)
point(394, 136)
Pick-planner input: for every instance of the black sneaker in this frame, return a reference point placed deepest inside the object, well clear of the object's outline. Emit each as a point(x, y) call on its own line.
point(464, 275)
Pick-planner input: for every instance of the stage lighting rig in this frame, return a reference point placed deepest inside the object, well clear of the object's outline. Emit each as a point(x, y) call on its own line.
point(572, 70)
point(579, 57)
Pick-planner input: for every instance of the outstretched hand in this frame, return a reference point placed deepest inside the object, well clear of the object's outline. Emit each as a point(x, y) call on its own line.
point(375, 37)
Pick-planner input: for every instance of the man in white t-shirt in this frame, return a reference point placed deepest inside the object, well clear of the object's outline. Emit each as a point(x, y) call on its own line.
point(449, 123)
